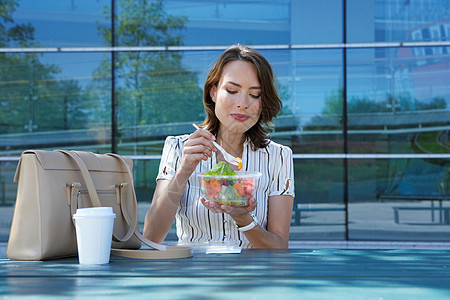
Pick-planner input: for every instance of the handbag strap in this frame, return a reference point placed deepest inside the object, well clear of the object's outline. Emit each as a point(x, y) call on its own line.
point(171, 252)
point(94, 196)
point(159, 251)
point(125, 213)
point(165, 252)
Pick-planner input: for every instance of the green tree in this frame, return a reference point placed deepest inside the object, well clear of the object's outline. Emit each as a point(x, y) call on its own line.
point(435, 103)
point(285, 95)
point(31, 99)
point(152, 87)
point(333, 104)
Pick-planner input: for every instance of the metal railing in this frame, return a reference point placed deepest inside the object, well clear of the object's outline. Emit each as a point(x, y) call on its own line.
point(300, 156)
point(221, 48)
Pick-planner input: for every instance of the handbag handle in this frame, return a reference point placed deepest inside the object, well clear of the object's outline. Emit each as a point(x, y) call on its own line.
point(166, 252)
point(94, 196)
point(124, 211)
point(159, 251)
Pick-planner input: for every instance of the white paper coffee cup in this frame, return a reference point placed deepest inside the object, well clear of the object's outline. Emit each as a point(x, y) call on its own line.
point(94, 229)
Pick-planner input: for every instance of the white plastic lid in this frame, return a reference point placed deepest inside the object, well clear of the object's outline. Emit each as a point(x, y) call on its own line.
point(97, 212)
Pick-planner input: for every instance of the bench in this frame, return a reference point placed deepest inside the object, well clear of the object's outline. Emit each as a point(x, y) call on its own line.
point(431, 198)
point(444, 213)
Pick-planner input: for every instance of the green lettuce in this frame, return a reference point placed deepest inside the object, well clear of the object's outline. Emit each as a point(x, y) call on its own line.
point(222, 168)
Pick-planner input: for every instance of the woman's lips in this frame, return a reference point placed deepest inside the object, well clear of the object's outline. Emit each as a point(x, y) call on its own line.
point(240, 117)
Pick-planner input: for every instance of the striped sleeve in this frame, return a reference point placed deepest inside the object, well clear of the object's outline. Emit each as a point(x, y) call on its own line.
point(171, 157)
point(283, 180)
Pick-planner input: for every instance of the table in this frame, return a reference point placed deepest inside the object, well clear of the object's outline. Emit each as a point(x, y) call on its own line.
point(253, 274)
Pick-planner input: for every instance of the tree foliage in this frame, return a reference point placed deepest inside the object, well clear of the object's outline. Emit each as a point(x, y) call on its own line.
point(152, 87)
point(31, 99)
point(403, 102)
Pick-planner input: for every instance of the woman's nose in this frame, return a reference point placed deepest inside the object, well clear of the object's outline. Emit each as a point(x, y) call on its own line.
point(242, 101)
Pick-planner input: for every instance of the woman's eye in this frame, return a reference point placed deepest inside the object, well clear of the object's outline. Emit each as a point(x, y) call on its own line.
point(255, 96)
point(231, 92)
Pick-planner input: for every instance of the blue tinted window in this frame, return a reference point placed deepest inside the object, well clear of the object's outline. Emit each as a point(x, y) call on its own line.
point(58, 93)
point(398, 100)
point(317, 78)
point(316, 22)
point(260, 22)
point(393, 154)
point(397, 20)
point(399, 79)
point(230, 22)
point(63, 23)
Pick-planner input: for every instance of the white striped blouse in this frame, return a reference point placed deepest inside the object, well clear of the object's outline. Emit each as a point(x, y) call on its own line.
point(194, 222)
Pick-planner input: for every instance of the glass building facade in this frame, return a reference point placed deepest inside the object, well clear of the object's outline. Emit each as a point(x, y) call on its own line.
point(365, 87)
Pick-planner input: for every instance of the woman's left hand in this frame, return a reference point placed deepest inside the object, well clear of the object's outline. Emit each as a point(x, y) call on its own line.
point(232, 211)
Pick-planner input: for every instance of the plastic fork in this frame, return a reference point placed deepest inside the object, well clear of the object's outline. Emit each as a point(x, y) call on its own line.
point(237, 161)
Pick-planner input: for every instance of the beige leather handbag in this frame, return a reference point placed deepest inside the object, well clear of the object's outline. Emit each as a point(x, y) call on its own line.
point(53, 184)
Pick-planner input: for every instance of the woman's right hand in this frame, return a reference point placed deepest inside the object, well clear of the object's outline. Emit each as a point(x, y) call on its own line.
point(198, 147)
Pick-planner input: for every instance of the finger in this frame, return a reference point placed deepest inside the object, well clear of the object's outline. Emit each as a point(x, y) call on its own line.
point(214, 207)
point(210, 205)
point(202, 136)
point(199, 149)
point(193, 159)
point(205, 133)
point(226, 208)
point(252, 203)
point(199, 146)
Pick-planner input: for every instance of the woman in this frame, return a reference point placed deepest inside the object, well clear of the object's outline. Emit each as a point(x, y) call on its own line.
point(240, 99)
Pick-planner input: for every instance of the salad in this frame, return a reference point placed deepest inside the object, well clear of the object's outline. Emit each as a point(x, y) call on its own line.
point(223, 186)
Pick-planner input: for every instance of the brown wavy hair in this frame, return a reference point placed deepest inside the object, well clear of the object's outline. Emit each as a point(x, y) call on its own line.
point(270, 102)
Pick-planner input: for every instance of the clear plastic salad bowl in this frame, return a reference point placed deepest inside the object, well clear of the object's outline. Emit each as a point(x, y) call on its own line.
point(231, 190)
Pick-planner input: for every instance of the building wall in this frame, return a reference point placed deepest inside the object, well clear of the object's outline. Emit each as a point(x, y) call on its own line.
point(364, 84)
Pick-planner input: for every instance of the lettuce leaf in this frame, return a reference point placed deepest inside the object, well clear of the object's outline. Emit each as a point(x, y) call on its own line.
point(222, 168)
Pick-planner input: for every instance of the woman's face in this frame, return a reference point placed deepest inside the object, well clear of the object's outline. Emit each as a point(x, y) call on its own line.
point(237, 97)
